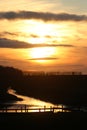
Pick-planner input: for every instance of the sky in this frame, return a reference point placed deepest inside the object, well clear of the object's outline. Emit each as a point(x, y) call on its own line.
point(44, 35)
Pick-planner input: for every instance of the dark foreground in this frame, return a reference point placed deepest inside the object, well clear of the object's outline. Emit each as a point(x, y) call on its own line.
point(46, 120)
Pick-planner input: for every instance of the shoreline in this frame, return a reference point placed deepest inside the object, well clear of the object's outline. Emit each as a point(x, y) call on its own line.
point(44, 120)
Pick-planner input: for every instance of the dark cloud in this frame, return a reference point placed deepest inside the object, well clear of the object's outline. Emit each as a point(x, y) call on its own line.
point(8, 43)
point(42, 16)
point(3, 34)
point(44, 58)
point(61, 45)
point(9, 33)
point(34, 36)
point(48, 36)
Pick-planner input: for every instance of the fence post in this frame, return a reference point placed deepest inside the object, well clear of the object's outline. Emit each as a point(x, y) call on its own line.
point(62, 108)
point(53, 109)
point(44, 108)
point(50, 108)
point(21, 108)
point(39, 109)
point(16, 110)
point(6, 109)
point(25, 108)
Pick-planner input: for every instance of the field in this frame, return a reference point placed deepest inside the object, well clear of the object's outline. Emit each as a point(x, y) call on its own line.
point(43, 120)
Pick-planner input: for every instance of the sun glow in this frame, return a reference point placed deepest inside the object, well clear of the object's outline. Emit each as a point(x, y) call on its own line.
point(42, 32)
point(39, 40)
point(41, 29)
point(42, 54)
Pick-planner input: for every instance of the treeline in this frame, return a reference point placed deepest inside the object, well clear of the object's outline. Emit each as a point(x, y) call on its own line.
point(7, 75)
point(63, 89)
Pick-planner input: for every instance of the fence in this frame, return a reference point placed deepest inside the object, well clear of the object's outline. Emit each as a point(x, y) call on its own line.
point(26, 108)
point(6, 108)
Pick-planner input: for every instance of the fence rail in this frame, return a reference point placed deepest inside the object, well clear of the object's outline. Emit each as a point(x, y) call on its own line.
point(30, 109)
point(6, 108)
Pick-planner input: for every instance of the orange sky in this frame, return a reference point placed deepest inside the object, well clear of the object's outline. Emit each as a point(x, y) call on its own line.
point(48, 35)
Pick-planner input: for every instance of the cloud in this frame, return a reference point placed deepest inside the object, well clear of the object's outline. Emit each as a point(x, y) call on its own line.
point(8, 43)
point(6, 33)
point(44, 58)
point(34, 36)
point(61, 45)
point(42, 16)
point(9, 33)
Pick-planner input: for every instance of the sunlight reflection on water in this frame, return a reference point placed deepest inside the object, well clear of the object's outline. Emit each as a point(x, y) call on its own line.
point(32, 103)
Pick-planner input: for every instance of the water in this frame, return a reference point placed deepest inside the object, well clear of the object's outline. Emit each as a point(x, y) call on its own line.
point(31, 103)
point(36, 105)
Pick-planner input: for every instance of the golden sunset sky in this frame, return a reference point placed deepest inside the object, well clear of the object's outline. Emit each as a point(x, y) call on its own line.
point(44, 35)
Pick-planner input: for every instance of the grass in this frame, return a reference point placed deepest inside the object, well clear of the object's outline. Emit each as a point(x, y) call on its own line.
point(43, 120)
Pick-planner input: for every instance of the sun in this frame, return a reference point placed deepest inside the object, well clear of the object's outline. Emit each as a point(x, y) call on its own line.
point(42, 54)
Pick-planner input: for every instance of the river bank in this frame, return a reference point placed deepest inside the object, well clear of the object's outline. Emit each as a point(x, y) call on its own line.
point(57, 89)
point(43, 120)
